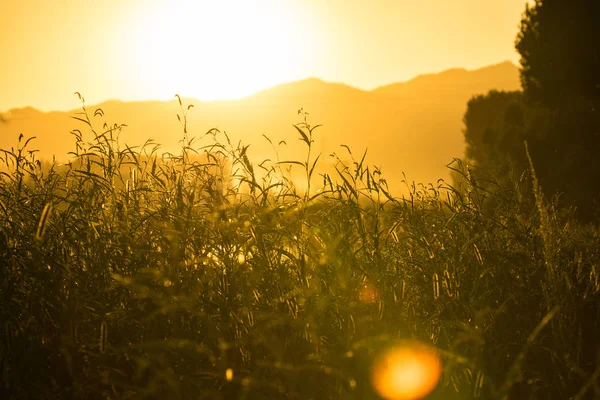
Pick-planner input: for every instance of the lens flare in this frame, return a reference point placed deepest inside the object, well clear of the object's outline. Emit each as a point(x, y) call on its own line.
point(368, 294)
point(407, 372)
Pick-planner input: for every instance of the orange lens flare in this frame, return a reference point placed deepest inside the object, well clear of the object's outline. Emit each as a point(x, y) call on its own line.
point(407, 372)
point(368, 294)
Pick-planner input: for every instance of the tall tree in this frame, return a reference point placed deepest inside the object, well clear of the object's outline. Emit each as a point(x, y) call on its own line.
point(559, 44)
point(494, 125)
point(558, 114)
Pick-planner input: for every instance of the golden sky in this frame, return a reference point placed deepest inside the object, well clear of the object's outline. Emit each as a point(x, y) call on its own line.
point(224, 49)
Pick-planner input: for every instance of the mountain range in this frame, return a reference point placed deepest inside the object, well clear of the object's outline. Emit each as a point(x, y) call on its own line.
point(413, 127)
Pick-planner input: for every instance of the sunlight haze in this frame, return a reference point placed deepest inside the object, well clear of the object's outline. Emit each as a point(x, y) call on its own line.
point(142, 50)
point(299, 199)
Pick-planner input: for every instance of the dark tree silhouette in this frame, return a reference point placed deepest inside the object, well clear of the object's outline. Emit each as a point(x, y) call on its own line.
point(558, 113)
point(494, 126)
point(559, 44)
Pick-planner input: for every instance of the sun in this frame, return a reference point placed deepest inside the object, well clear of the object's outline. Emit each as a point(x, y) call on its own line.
point(216, 49)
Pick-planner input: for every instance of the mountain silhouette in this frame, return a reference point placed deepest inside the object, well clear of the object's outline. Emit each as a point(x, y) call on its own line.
point(456, 82)
point(413, 127)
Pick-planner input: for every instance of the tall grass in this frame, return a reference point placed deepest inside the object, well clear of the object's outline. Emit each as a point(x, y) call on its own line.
point(128, 273)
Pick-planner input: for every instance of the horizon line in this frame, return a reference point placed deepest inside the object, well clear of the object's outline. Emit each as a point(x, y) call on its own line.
point(173, 97)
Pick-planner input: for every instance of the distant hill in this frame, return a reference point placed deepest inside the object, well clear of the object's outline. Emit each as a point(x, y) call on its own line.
point(414, 126)
point(456, 82)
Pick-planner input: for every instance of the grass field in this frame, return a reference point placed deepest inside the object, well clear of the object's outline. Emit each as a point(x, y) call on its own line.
point(129, 274)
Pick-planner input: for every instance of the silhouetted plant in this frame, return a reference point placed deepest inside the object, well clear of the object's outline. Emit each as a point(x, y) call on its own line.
point(133, 274)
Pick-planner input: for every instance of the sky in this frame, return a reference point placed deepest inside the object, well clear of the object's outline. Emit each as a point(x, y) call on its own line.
point(226, 49)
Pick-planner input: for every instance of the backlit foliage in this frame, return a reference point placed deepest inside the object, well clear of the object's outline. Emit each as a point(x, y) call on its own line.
point(131, 274)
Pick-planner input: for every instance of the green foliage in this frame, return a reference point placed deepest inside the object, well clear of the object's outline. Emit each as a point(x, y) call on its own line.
point(127, 274)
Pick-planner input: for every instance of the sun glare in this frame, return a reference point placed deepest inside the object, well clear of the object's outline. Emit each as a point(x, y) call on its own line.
point(408, 372)
point(216, 49)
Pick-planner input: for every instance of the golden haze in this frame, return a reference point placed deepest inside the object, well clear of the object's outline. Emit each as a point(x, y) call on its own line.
point(152, 49)
point(413, 127)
